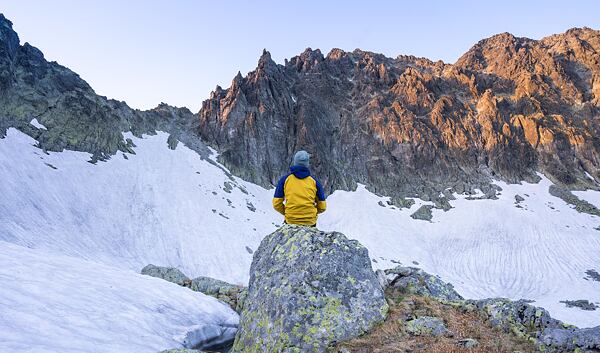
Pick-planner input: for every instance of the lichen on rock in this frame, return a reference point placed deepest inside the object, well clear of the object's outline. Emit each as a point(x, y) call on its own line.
point(231, 294)
point(535, 324)
point(427, 326)
point(170, 274)
point(308, 290)
point(413, 280)
point(226, 292)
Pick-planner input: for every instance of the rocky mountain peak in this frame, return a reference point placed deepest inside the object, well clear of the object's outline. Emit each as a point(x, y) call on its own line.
point(238, 77)
point(405, 126)
point(306, 61)
point(5, 25)
point(74, 116)
point(9, 44)
point(265, 63)
point(411, 126)
point(32, 52)
point(336, 54)
point(8, 37)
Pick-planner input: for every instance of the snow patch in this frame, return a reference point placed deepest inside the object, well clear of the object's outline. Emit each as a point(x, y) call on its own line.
point(37, 124)
point(589, 176)
point(591, 196)
point(56, 303)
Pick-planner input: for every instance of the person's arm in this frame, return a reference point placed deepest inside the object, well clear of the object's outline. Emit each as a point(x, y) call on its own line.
point(321, 204)
point(278, 205)
point(279, 196)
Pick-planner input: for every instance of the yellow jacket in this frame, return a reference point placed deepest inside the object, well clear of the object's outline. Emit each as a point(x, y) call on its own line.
point(299, 197)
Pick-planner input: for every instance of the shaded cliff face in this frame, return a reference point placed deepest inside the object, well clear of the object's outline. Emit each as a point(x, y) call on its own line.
point(408, 126)
point(74, 116)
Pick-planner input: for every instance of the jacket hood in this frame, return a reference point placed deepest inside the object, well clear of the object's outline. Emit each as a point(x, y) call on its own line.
point(300, 171)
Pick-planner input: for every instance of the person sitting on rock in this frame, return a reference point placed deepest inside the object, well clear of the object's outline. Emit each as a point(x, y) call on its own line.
point(299, 196)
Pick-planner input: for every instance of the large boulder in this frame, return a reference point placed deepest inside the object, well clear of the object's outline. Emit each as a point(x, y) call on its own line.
point(308, 289)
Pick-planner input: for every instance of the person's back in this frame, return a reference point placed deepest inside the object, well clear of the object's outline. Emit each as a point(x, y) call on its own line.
point(299, 196)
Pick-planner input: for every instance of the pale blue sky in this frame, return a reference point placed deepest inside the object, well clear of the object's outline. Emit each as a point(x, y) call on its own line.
point(146, 52)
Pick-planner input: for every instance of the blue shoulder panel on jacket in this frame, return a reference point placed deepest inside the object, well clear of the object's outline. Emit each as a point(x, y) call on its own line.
point(279, 189)
point(300, 171)
point(320, 191)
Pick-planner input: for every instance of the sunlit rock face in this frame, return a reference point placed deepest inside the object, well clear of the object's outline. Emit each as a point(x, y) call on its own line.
point(411, 126)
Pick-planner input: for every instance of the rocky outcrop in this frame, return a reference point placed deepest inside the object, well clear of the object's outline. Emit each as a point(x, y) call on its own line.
point(423, 213)
point(568, 197)
point(582, 304)
point(308, 289)
point(170, 274)
point(231, 294)
point(519, 318)
point(592, 275)
point(528, 321)
point(75, 117)
point(423, 324)
point(202, 337)
point(412, 127)
point(226, 292)
point(413, 280)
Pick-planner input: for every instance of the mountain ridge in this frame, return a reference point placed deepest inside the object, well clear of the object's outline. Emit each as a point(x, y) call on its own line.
point(426, 123)
point(75, 116)
point(406, 127)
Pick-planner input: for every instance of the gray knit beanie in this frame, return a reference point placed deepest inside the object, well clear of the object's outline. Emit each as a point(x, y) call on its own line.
point(301, 158)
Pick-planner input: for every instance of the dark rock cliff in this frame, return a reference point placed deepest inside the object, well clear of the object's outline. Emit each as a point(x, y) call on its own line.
point(408, 126)
point(75, 116)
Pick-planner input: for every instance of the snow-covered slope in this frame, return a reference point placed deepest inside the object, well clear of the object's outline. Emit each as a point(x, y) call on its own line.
point(170, 207)
point(57, 303)
point(161, 206)
point(538, 249)
point(74, 236)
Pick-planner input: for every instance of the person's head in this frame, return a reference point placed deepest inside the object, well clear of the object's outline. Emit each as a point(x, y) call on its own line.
point(301, 158)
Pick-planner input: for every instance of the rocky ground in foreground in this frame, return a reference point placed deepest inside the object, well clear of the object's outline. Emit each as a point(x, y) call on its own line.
point(421, 324)
point(312, 291)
